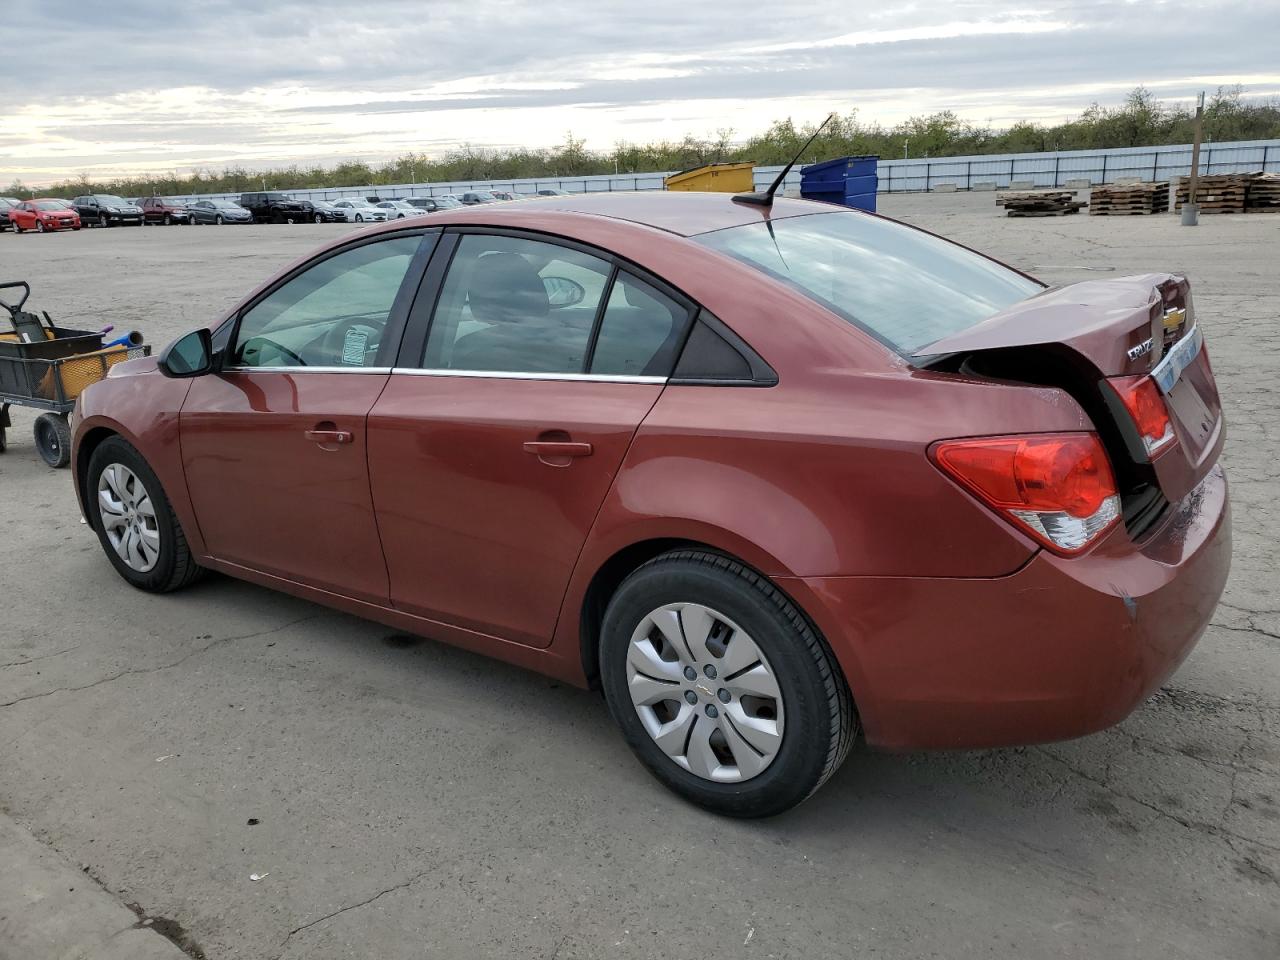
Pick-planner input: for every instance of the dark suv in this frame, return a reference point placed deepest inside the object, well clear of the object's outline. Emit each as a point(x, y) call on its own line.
point(7, 204)
point(105, 210)
point(272, 207)
point(164, 210)
point(432, 204)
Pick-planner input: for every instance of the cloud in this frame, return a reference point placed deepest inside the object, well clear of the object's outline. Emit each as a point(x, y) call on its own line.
point(143, 85)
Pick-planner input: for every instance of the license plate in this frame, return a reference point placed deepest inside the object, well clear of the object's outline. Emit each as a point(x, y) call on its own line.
point(1180, 356)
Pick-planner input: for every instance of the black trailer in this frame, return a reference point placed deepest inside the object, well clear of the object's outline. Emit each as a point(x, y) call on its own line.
point(45, 366)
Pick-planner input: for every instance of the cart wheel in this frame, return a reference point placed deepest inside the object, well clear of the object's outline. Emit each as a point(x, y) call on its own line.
point(53, 439)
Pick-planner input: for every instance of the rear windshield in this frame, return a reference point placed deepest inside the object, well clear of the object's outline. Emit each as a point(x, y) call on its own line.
point(904, 286)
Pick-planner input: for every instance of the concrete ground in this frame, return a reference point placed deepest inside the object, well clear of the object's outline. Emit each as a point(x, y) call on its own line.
point(408, 800)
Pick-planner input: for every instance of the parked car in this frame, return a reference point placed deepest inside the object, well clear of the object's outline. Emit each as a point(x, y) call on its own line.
point(106, 210)
point(7, 204)
point(506, 195)
point(219, 212)
point(553, 192)
point(359, 210)
point(942, 502)
point(42, 215)
point(323, 211)
point(474, 197)
point(400, 209)
point(165, 210)
point(444, 201)
point(274, 207)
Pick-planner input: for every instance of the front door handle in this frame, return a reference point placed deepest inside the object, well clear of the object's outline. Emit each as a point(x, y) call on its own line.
point(558, 448)
point(328, 436)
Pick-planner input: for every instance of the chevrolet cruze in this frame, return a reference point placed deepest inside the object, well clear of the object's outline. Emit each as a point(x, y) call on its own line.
point(769, 475)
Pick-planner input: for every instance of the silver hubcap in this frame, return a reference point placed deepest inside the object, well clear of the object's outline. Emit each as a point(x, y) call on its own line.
point(129, 517)
point(705, 692)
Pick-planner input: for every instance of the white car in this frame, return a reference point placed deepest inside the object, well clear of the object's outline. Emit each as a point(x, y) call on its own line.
point(399, 209)
point(360, 211)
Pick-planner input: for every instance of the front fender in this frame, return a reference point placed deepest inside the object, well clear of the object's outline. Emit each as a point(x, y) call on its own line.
point(143, 407)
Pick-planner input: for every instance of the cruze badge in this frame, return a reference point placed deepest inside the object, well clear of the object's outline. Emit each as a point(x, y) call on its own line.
point(1141, 350)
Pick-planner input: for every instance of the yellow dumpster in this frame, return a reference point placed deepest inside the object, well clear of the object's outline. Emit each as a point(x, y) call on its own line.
point(714, 178)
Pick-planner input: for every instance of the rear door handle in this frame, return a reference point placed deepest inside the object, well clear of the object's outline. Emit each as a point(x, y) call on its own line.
point(558, 448)
point(328, 436)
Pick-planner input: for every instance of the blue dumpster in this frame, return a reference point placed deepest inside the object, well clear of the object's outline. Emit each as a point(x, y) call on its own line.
point(848, 181)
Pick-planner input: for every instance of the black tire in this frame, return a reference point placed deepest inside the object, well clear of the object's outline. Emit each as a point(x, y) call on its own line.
point(319, 218)
point(16, 228)
point(40, 227)
point(176, 567)
point(53, 439)
point(359, 218)
point(103, 221)
point(820, 718)
point(218, 220)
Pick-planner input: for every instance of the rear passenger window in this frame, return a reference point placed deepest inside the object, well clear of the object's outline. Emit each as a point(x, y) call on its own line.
point(640, 333)
point(513, 305)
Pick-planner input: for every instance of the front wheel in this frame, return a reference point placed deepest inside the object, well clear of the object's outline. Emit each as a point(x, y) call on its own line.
point(218, 220)
point(359, 218)
point(168, 220)
point(721, 687)
point(319, 219)
point(134, 521)
point(102, 220)
point(53, 439)
point(40, 227)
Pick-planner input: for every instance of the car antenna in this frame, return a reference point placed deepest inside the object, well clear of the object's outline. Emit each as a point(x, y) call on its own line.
point(766, 199)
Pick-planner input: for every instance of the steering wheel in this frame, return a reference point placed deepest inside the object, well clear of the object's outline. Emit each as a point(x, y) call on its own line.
point(257, 343)
point(334, 342)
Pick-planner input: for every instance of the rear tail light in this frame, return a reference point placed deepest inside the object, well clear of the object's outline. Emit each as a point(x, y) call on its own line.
point(1056, 487)
point(1142, 398)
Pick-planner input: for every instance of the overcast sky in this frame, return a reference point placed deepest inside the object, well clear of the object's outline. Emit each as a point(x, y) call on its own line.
point(116, 86)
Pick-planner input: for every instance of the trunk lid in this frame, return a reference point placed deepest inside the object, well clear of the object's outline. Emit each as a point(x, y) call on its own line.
point(1079, 335)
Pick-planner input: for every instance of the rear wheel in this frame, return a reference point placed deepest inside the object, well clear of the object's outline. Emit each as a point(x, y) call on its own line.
point(53, 439)
point(134, 521)
point(721, 686)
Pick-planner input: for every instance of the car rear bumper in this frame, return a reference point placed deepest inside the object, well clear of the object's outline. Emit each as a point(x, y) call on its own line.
point(1059, 649)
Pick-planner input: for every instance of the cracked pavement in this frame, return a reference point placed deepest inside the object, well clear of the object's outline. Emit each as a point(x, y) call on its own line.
point(414, 800)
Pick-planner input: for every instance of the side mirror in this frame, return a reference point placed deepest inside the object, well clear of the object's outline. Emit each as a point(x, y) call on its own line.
point(189, 356)
point(563, 292)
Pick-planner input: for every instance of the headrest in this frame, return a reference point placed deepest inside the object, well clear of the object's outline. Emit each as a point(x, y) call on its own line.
point(505, 288)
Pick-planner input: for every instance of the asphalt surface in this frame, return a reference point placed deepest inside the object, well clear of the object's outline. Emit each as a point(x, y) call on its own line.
point(409, 800)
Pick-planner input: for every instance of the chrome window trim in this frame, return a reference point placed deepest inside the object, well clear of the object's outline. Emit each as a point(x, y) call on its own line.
point(266, 369)
point(505, 375)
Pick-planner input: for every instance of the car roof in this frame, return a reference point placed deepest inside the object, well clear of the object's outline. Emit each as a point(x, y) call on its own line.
point(683, 213)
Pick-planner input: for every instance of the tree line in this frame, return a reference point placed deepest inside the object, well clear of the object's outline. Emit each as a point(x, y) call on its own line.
point(1141, 120)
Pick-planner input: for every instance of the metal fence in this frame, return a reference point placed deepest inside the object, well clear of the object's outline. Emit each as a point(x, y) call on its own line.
point(963, 173)
point(1056, 168)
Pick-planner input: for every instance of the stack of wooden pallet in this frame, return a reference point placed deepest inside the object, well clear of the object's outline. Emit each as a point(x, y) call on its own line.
point(1127, 199)
point(1263, 194)
point(1039, 203)
point(1217, 193)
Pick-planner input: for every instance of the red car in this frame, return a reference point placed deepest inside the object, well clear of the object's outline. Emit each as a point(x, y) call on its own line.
point(42, 215)
point(767, 475)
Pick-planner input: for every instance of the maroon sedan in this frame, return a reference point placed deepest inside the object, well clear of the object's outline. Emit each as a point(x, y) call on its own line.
point(769, 476)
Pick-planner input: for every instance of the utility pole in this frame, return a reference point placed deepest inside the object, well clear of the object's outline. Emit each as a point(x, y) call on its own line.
point(1190, 209)
point(905, 143)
